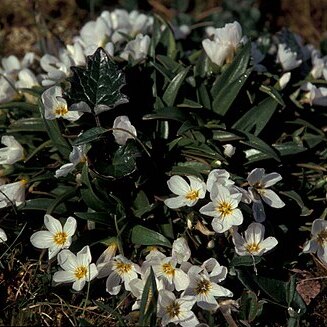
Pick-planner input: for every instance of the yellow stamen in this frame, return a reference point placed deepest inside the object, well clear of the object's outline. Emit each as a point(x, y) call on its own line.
point(322, 237)
point(253, 248)
point(168, 269)
point(61, 110)
point(203, 287)
point(80, 272)
point(123, 268)
point(224, 208)
point(173, 309)
point(192, 195)
point(60, 238)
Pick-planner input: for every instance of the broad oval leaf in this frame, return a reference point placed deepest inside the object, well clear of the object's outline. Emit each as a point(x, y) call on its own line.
point(145, 236)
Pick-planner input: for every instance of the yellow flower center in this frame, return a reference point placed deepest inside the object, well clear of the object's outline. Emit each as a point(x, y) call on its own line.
point(173, 309)
point(123, 268)
point(60, 238)
point(61, 110)
point(203, 287)
point(80, 272)
point(23, 181)
point(192, 195)
point(168, 269)
point(252, 248)
point(224, 208)
point(322, 237)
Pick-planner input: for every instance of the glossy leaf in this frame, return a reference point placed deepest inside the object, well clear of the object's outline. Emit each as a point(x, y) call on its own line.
point(145, 236)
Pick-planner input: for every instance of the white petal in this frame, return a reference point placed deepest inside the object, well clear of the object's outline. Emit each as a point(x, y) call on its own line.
point(318, 225)
point(258, 211)
point(254, 233)
point(272, 199)
point(255, 176)
point(70, 226)
point(64, 277)
point(176, 202)
point(42, 239)
point(52, 224)
point(64, 170)
point(178, 185)
point(79, 284)
point(113, 284)
point(3, 236)
point(67, 260)
point(310, 246)
point(270, 179)
point(84, 257)
point(53, 251)
point(92, 272)
point(181, 280)
point(269, 243)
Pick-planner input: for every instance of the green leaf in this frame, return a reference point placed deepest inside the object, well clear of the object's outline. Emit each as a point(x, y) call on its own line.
point(167, 113)
point(19, 105)
point(257, 117)
point(274, 94)
point(90, 135)
point(171, 92)
point(71, 192)
point(32, 124)
point(233, 72)
point(245, 261)
point(228, 94)
point(305, 211)
point(42, 204)
point(250, 308)
point(97, 217)
point(98, 84)
point(145, 236)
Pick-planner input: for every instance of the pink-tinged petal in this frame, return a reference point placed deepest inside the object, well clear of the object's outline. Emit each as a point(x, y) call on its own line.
point(67, 260)
point(70, 226)
point(254, 233)
point(270, 179)
point(42, 239)
point(272, 199)
point(269, 243)
point(310, 247)
point(181, 280)
point(79, 284)
point(178, 185)
point(318, 225)
point(113, 284)
point(255, 176)
point(258, 211)
point(64, 277)
point(176, 202)
point(52, 224)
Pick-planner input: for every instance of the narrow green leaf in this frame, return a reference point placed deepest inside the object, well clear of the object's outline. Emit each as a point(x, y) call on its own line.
point(257, 117)
point(42, 204)
point(171, 92)
point(32, 124)
point(274, 94)
point(19, 105)
point(167, 113)
point(97, 217)
point(90, 135)
point(245, 261)
point(145, 236)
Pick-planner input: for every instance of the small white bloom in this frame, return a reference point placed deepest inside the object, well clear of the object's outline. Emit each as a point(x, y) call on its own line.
point(121, 136)
point(283, 81)
point(107, 254)
point(287, 58)
point(26, 79)
point(318, 242)
point(259, 189)
point(218, 176)
point(229, 150)
point(77, 269)
point(314, 95)
point(177, 311)
point(253, 242)
point(77, 155)
point(13, 193)
point(225, 43)
point(13, 151)
point(3, 236)
point(137, 48)
point(57, 237)
point(181, 251)
point(187, 194)
point(173, 278)
point(55, 105)
point(223, 208)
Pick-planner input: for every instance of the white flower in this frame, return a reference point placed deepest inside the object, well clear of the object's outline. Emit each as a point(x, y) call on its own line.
point(314, 95)
point(55, 105)
point(187, 194)
point(165, 269)
point(177, 311)
point(120, 136)
point(229, 150)
point(181, 251)
point(283, 81)
point(120, 270)
point(223, 208)
point(218, 176)
point(259, 189)
point(7, 91)
point(13, 193)
point(3, 236)
point(75, 52)
point(26, 79)
point(205, 288)
point(287, 58)
point(318, 242)
point(77, 269)
point(76, 156)
point(107, 254)
point(57, 237)
point(253, 242)
point(137, 48)
point(225, 43)
point(13, 151)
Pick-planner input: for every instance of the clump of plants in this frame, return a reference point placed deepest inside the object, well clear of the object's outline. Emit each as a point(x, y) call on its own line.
point(164, 173)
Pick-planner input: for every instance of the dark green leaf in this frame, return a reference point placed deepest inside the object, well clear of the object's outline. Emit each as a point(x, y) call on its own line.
point(98, 85)
point(32, 124)
point(97, 217)
point(297, 198)
point(245, 261)
point(42, 204)
point(145, 236)
point(167, 113)
point(90, 135)
point(273, 93)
